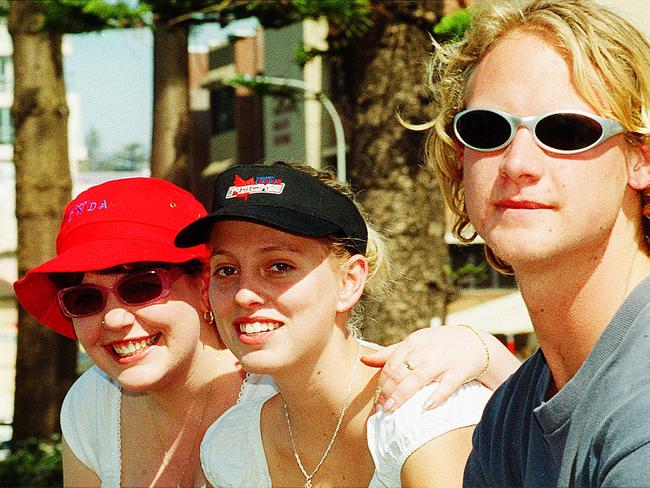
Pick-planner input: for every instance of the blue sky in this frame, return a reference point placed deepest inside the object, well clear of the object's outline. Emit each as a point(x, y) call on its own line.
point(111, 71)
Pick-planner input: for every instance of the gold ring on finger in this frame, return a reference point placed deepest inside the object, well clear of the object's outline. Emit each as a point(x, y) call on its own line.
point(377, 393)
point(408, 365)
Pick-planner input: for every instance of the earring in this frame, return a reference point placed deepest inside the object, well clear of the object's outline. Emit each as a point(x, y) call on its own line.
point(208, 317)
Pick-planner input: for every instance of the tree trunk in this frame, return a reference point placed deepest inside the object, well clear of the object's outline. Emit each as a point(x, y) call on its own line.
point(45, 361)
point(170, 141)
point(387, 76)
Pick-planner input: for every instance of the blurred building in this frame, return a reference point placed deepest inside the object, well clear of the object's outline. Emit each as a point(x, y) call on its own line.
point(245, 128)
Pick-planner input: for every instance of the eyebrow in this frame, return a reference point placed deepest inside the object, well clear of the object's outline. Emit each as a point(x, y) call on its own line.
point(266, 249)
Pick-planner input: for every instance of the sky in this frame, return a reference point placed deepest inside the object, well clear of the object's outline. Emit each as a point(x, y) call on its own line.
point(111, 71)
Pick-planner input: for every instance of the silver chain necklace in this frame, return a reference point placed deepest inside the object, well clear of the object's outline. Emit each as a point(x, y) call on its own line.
point(166, 457)
point(308, 477)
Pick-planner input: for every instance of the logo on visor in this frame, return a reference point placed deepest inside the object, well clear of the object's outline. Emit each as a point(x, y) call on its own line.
point(259, 184)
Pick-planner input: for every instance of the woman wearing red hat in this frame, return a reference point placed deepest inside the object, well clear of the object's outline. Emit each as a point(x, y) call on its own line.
point(291, 257)
point(139, 308)
point(138, 305)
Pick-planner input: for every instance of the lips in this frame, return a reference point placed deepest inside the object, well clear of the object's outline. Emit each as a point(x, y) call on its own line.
point(125, 349)
point(255, 331)
point(522, 205)
point(258, 327)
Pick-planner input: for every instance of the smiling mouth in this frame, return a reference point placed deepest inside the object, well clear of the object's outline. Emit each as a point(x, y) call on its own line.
point(258, 327)
point(129, 348)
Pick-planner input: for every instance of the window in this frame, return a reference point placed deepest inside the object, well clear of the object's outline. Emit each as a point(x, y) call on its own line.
point(470, 269)
point(222, 110)
point(6, 73)
point(6, 126)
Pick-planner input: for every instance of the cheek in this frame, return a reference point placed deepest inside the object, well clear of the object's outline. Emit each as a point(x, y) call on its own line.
point(223, 306)
point(479, 167)
point(601, 186)
point(87, 330)
point(216, 297)
point(318, 297)
point(474, 194)
point(480, 179)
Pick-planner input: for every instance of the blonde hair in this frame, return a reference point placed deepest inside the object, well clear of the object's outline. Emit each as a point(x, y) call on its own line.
point(376, 254)
point(610, 60)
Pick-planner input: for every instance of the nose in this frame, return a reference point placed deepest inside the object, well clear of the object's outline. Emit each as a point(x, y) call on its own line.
point(115, 315)
point(521, 158)
point(249, 293)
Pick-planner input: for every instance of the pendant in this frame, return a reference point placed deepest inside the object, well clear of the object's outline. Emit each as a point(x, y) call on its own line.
point(308, 483)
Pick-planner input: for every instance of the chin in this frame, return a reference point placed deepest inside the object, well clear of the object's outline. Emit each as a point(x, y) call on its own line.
point(136, 388)
point(262, 362)
point(138, 383)
point(520, 255)
point(507, 243)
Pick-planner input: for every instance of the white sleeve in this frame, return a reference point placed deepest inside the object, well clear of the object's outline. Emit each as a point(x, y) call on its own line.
point(392, 438)
point(89, 423)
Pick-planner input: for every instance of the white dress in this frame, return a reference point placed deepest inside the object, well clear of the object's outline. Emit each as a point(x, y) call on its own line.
point(232, 453)
point(90, 420)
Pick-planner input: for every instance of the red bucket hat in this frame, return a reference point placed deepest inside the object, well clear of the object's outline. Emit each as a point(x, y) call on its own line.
point(118, 222)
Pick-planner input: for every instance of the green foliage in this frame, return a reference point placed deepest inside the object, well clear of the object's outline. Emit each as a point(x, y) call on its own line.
point(454, 25)
point(189, 11)
point(131, 157)
point(350, 17)
point(303, 55)
point(34, 463)
point(75, 16)
point(261, 88)
point(468, 272)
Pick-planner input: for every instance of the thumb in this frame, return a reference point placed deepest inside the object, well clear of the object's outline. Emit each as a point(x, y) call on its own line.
point(379, 358)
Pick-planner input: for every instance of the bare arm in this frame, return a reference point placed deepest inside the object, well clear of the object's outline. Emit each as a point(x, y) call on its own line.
point(439, 463)
point(76, 473)
point(450, 355)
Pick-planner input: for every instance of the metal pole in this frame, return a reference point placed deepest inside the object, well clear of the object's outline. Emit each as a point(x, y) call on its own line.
point(340, 137)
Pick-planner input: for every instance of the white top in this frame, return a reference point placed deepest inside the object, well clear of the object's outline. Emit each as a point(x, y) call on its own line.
point(90, 420)
point(232, 453)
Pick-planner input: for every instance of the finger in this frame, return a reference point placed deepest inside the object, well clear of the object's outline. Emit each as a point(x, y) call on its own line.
point(394, 367)
point(390, 382)
point(449, 383)
point(410, 384)
point(391, 376)
point(378, 359)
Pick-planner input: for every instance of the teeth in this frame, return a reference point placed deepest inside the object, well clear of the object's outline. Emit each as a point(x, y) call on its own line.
point(130, 348)
point(257, 327)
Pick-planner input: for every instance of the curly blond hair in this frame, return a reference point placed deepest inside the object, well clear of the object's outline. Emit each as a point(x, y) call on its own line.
point(610, 61)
